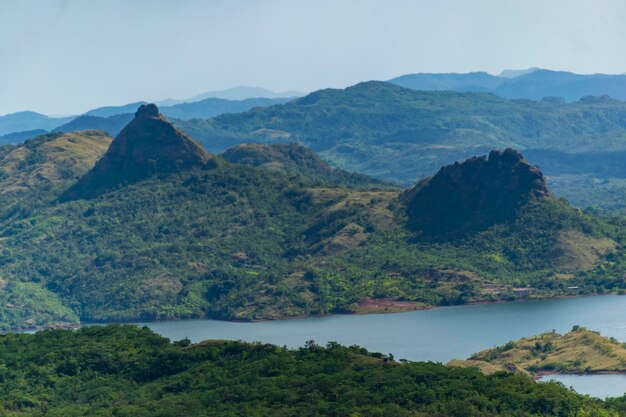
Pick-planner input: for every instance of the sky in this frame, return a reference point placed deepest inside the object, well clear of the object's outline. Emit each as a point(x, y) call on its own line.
point(64, 57)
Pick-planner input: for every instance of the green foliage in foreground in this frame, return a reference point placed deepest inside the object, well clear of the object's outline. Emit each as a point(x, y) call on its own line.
point(126, 371)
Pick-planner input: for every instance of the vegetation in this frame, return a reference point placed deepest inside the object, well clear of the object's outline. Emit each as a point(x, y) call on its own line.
point(297, 161)
point(160, 229)
point(401, 135)
point(579, 351)
point(128, 371)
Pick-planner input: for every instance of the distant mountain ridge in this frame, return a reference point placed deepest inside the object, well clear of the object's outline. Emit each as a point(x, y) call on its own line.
point(398, 134)
point(113, 118)
point(533, 84)
point(241, 92)
point(28, 120)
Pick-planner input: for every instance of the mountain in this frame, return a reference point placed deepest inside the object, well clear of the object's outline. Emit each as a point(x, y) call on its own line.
point(401, 135)
point(534, 84)
point(160, 229)
point(471, 81)
point(131, 371)
point(241, 92)
point(19, 137)
point(148, 146)
point(28, 120)
point(579, 351)
point(516, 73)
point(296, 160)
point(474, 195)
point(109, 111)
point(112, 125)
point(210, 107)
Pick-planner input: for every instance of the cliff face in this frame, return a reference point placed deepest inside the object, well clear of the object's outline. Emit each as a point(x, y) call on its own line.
point(473, 195)
point(149, 145)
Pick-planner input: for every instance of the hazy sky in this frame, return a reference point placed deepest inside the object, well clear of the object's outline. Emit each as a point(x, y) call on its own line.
point(64, 57)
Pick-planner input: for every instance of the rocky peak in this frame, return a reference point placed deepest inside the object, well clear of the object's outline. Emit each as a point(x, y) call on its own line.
point(473, 195)
point(147, 110)
point(147, 146)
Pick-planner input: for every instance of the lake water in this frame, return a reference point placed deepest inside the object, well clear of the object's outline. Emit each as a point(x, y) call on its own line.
point(601, 386)
point(439, 334)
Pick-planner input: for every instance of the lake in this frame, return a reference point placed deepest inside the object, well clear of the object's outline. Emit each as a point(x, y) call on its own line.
point(600, 386)
point(439, 334)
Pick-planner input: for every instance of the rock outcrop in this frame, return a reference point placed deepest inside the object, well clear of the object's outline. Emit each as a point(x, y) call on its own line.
point(473, 195)
point(148, 146)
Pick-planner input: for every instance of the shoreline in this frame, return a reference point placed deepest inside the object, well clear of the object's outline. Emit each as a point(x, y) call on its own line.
point(418, 307)
point(539, 375)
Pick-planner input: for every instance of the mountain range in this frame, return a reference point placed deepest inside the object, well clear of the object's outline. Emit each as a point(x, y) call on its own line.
point(16, 127)
point(153, 226)
point(397, 134)
point(533, 84)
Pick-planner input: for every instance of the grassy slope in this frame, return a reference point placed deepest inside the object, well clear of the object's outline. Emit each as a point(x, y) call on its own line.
point(127, 371)
point(579, 351)
point(31, 176)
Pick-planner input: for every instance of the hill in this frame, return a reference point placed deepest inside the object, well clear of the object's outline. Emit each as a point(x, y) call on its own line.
point(533, 84)
point(124, 371)
point(160, 229)
point(579, 351)
point(112, 125)
point(148, 146)
point(241, 92)
point(19, 137)
point(474, 195)
point(109, 111)
point(28, 120)
point(31, 177)
point(401, 135)
point(210, 107)
point(295, 160)
point(112, 119)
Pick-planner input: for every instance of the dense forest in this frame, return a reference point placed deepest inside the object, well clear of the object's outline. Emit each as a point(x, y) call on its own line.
point(130, 371)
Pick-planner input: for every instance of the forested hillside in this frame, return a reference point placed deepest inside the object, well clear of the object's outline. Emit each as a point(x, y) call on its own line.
point(401, 135)
point(159, 228)
point(127, 371)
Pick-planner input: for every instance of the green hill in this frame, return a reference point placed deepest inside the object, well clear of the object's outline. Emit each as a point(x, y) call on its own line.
point(398, 134)
point(160, 229)
point(296, 160)
point(579, 351)
point(127, 371)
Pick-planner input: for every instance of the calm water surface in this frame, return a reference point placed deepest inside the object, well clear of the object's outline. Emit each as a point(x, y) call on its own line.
point(438, 335)
point(600, 386)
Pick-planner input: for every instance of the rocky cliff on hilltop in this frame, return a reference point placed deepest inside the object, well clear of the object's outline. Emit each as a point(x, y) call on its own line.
point(149, 145)
point(473, 195)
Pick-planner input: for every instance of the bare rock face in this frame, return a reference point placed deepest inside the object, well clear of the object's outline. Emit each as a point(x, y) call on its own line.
point(148, 146)
point(473, 195)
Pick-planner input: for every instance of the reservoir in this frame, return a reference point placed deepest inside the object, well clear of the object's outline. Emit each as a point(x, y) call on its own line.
point(439, 335)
